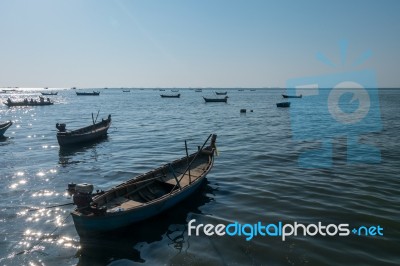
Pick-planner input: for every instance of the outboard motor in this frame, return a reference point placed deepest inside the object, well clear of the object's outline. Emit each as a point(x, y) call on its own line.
point(71, 189)
point(61, 127)
point(83, 195)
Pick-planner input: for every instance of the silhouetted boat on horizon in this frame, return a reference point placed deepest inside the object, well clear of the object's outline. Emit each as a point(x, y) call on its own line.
point(170, 95)
point(49, 93)
point(283, 104)
point(30, 102)
point(94, 93)
point(291, 96)
point(216, 100)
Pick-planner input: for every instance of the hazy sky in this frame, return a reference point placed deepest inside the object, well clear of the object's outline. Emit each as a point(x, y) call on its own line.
point(202, 43)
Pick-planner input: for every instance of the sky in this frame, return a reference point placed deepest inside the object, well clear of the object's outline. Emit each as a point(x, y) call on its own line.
point(187, 43)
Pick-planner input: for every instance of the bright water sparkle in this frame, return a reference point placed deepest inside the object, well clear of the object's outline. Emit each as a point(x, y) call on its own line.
point(255, 178)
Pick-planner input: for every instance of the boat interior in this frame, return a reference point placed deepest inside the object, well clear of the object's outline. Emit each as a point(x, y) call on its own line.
point(155, 184)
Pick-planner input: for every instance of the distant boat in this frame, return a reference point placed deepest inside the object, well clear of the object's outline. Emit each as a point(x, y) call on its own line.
point(291, 96)
point(221, 93)
point(73, 88)
point(85, 134)
point(46, 88)
point(174, 90)
point(162, 90)
point(215, 100)
point(198, 90)
point(31, 102)
point(170, 95)
point(49, 93)
point(241, 90)
point(283, 104)
point(126, 90)
point(4, 127)
point(94, 93)
point(141, 197)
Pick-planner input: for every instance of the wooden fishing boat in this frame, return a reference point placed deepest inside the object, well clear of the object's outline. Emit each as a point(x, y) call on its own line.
point(221, 93)
point(9, 90)
point(4, 127)
point(291, 96)
point(283, 104)
point(49, 93)
point(141, 197)
point(85, 134)
point(31, 102)
point(94, 93)
point(216, 100)
point(170, 95)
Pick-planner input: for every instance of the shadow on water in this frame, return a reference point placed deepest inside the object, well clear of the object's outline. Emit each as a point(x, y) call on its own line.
point(170, 226)
point(4, 140)
point(66, 154)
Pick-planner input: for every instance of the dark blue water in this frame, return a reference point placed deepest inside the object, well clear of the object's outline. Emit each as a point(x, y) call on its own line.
point(256, 177)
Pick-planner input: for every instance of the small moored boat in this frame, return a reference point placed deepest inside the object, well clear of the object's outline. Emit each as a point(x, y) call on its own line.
point(94, 93)
point(216, 100)
point(30, 102)
point(49, 93)
point(283, 104)
point(291, 96)
point(170, 95)
point(221, 93)
point(4, 127)
point(141, 197)
point(85, 134)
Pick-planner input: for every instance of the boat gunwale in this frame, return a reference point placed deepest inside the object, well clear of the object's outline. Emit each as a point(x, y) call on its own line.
point(141, 177)
point(4, 127)
point(86, 130)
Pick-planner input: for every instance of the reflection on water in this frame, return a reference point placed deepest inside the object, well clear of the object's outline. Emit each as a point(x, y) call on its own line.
point(67, 154)
point(4, 140)
point(123, 244)
point(257, 175)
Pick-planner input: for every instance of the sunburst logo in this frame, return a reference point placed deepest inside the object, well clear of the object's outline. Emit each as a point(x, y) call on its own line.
point(359, 95)
point(338, 104)
point(343, 56)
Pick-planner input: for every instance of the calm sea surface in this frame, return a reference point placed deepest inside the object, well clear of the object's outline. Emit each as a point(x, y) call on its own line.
point(256, 177)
